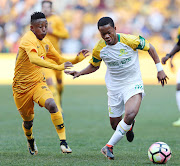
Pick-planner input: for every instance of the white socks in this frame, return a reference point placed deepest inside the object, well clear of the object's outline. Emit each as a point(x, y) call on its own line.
point(178, 99)
point(121, 129)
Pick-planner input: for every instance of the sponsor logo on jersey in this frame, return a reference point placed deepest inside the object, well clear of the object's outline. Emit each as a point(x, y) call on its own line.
point(116, 63)
point(122, 52)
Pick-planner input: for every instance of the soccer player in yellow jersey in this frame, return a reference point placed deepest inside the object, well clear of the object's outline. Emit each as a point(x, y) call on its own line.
point(170, 56)
point(29, 84)
point(56, 31)
point(123, 78)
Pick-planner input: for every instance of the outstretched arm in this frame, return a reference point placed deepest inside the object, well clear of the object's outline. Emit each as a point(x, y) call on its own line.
point(54, 55)
point(80, 56)
point(89, 69)
point(161, 76)
point(35, 59)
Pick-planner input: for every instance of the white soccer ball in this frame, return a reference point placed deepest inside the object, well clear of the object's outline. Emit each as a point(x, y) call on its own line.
point(159, 153)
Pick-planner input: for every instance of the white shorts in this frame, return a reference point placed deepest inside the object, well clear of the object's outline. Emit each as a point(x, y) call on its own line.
point(178, 76)
point(116, 102)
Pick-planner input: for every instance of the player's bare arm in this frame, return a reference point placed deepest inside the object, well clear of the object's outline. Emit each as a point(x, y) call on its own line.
point(161, 76)
point(171, 55)
point(89, 69)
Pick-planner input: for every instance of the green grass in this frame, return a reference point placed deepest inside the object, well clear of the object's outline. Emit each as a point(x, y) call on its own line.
point(88, 129)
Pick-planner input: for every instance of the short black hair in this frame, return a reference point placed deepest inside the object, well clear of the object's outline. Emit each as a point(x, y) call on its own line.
point(37, 15)
point(105, 21)
point(46, 1)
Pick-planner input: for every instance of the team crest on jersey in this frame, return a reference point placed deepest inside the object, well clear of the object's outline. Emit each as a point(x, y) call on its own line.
point(47, 48)
point(122, 52)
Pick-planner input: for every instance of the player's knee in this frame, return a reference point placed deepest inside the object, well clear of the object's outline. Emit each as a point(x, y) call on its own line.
point(28, 124)
point(59, 81)
point(51, 105)
point(129, 117)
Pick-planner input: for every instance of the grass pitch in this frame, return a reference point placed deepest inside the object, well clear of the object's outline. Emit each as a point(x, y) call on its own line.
point(88, 129)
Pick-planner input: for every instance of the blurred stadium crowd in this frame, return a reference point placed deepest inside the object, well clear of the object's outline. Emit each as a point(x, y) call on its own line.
point(156, 20)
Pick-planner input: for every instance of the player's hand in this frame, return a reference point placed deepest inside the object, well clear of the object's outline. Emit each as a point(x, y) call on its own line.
point(164, 59)
point(75, 74)
point(68, 65)
point(82, 55)
point(162, 77)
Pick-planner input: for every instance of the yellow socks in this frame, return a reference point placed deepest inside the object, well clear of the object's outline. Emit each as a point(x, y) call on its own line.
point(57, 120)
point(28, 132)
point(56, 96)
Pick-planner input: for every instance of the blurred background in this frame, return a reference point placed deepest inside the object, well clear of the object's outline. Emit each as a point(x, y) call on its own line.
point(155, 20)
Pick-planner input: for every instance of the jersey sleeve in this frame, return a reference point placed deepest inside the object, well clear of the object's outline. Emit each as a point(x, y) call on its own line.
point(96, 59)
point(135, 42)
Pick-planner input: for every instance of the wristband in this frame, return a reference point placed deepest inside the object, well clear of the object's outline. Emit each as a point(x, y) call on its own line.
point(159, 67)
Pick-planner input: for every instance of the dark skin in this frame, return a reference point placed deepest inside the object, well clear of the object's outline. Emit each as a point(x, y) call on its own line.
point(108, 33)
point(171, 56)
point(39, 28)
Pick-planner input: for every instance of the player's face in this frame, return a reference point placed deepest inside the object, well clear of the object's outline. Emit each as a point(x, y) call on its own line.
point(39, 28)
point(46, 9)
point(108, 33)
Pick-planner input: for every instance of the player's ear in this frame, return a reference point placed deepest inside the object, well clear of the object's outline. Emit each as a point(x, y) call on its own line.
point(31, 28)
point(115, 28)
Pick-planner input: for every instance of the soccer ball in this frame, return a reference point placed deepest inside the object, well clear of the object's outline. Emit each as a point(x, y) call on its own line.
point(159, 153)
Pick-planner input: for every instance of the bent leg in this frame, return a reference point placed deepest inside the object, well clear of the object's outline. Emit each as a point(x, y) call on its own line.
point(52, 87)
point(132, 108)
point(56, 116)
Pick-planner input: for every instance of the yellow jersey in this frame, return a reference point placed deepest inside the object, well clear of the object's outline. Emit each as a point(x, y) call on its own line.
point(58, 30)
point(27, 74)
